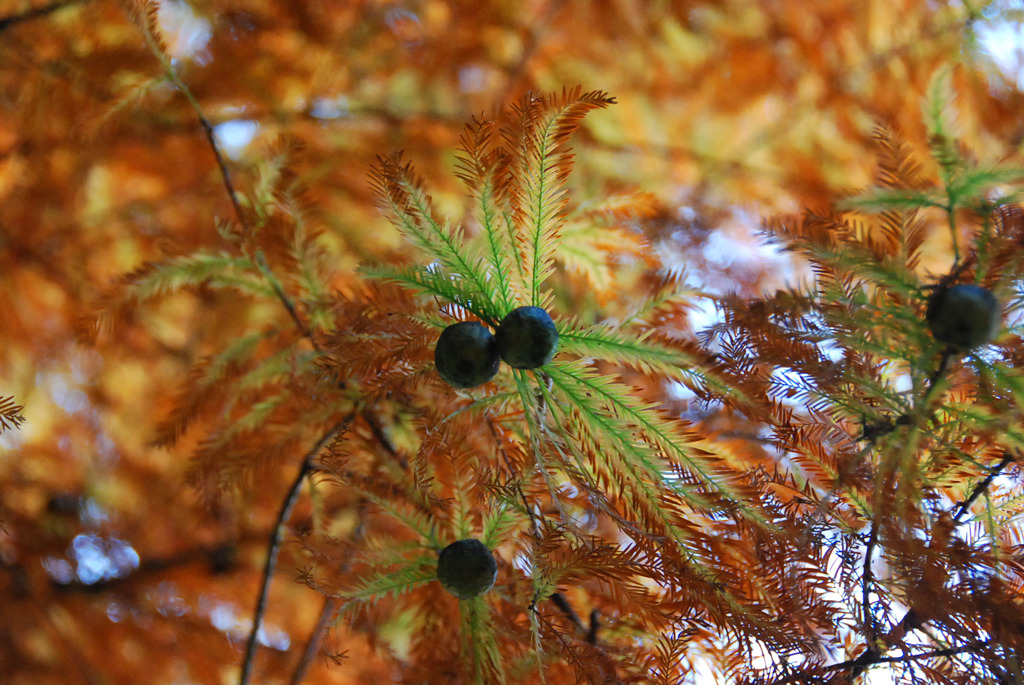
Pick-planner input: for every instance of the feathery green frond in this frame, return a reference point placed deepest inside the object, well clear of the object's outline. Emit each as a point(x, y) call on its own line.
point(135, 92)
point(590, 247)
point(971, 186)
point(400, 191)
point(636, 429)
point(437, 283)
point(499, 522)
point(541, 162)
point(940, 120)
point(403, 576)
point(645, 354)
point(383, 495)
point(887, 199)
point(214, 270)
point(157, 279)
point(638, 352)
point(481, 641)
point(477, 165)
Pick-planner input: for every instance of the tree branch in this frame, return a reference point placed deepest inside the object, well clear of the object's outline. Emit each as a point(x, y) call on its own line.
point(316, 639)
point(911, 621)
point(983, 486)
point(258, 259)
point(274, 545)
point(866, 579)
point(211, 137)
point(327, 613)
point(214, 556)
point(877, 659)
point(870, 659)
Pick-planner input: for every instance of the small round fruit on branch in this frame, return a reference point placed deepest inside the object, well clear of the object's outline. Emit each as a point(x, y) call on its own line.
point(466, 568)
point(963, 316)
point(527, 338)
point(466, 355)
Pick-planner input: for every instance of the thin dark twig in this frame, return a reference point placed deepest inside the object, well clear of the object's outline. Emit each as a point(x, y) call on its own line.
point(172, 75)
point(866, 579)
point(229, 186)
point(316, 639)
point(557, 598)
point(911, 621)
point(562, 603)
point(868, 659)
point(869, 618)
point(383, 438)
point(983, 486)
point(940, 370)
point(275, 542)
point(877, 659)
point(871, 432)
point(212, 555)
point(221, 164)
point(261, 264)
point(327, 613)
point(36, 13)
point(595, 624)
point(259, 259)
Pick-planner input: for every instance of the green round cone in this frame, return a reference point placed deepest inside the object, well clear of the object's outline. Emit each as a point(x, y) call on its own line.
point(466, 355)
point(527, 338)
point(964, 316)
point(466, 568)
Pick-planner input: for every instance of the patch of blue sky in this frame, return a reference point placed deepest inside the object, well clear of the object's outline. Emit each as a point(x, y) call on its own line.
point(234, 136)
point(327, 108)
point(230, 620)
point(95, 559)
point(1001, 37)
point(184, 32)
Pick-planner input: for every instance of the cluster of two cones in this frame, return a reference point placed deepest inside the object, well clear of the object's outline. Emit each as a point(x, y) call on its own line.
point(467, 354)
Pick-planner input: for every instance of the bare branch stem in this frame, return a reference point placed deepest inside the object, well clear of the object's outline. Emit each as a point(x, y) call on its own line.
point(211, 138)
point(870, 659)
point(316, 639)
point(983, 486)
point(274, 545)
point(866, 579)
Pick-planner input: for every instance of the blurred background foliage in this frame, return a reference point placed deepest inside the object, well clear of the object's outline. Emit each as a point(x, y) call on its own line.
point(112, 569)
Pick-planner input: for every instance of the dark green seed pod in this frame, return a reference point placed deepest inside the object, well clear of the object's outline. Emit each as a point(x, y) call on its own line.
point(527, 338)
point(466, 568)
point(466, 355)
point(964, 316)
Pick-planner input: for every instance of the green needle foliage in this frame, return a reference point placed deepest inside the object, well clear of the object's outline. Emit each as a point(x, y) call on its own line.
point(584, 440)
point(519, 189)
